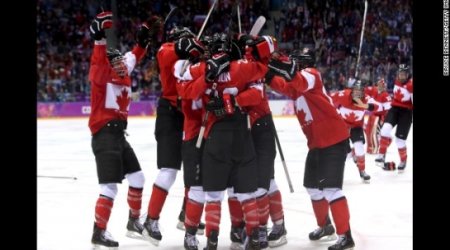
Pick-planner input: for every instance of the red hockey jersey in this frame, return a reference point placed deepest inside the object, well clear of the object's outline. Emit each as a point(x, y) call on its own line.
point(352, 114)
point(110, 94)
point(254, 100)
point(382, 99)
point(403, 94)
point(319, 119)
point(241, 73)
point(167, 57)
point(192, 111)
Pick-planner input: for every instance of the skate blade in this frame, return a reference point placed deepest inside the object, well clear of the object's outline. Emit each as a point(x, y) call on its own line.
point(327, 238)
point(147, 237)
point(366, 181)
point(276, 243)
point(236, 246)
point(200, 231)
point(180, 225)
point(379, 164)
point(134, 235)
point(401, 171)
point(100, 247)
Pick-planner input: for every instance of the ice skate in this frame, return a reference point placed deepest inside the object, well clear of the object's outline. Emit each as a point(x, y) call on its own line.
point(252, 242)
point(401, 167)
point(134, 228)
point(102, 239)
point(190, 242)
point(344, 242)
point(237, 237)
point(263, 243)
point(277, 236)
point(180, 224)
point(325, 233)
point(379, 161)
point(211, 244)
point(151, 231)
point(364, 176)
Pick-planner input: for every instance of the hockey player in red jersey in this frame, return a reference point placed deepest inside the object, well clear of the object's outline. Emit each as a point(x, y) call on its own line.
point(268, 197)
point(228, 155)
point(168, 129)
point(327, 135)
point(400, 114)
point(191, 155)
point(352, 104)
point(109, 75)
point(375, 120)
point(254, 101)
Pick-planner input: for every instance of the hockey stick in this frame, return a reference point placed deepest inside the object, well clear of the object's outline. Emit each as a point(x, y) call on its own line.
point(58, 177)
point(239, 17)
point(111, 34)
point(205, 119)
point(366, 5)
point(206, 19)
point(257, 26)
point(168, 17)
point(171, 13)
point(277, 140)
point(186, 63)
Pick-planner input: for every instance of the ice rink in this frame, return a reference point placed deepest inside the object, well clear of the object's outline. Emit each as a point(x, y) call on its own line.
point(381, 212)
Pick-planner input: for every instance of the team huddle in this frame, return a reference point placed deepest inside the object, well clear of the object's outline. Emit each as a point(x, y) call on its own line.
point(213, 118)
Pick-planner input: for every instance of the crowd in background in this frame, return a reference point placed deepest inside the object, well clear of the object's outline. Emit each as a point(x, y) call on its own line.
point(331, 27)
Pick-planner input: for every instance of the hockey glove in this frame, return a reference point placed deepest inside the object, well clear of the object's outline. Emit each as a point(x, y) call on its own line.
point(101, 22)
point(143, 37)
point(215, 66)
point(216, 105)
point(285, 69)
point(262, 47)
point(189, 49)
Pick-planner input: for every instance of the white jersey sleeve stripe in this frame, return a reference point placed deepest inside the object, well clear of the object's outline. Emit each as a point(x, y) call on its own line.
point(310, 79)
point(130, 61)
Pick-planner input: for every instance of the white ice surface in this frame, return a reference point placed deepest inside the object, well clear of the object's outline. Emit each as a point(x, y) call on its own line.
point(381, 212)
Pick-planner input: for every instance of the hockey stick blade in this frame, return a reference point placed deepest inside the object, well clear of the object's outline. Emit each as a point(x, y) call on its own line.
point(257, 26)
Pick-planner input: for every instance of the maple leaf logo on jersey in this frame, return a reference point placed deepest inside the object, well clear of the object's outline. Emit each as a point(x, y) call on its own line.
point(301, 115)
point(123, 100)
point(398, 95)
point(350, 117)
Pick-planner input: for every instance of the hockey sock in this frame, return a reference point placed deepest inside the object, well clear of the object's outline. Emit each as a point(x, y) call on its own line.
point(341, 215)
point(384, 144)
point(403, 154)
point(134, 200)
point(361, 162)
point(276, 207)
point(156, 203)
point(194, 212)
point(320, 208)
point(103, 211)
point(212, 217)
point(263, 209)
point(236, 215)
point(186, 191)
point(250, 209)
